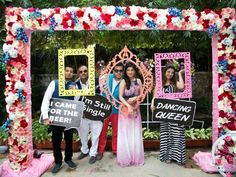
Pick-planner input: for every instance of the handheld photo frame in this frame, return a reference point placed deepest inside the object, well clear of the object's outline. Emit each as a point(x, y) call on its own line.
point(183, 56)
point(89, 52)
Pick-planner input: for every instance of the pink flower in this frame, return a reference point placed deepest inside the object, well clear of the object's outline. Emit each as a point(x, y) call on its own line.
point(228, 174)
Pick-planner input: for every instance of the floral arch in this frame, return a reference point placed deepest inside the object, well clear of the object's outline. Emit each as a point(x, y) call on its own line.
point(220, 25)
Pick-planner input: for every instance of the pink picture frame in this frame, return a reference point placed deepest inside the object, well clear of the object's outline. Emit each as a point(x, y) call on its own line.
point(187, 92)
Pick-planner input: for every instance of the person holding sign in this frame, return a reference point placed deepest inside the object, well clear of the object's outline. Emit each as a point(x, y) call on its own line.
point(114, 84)
point(87, 124)
point(172, 138)
point(57, 131)
point(130, 149)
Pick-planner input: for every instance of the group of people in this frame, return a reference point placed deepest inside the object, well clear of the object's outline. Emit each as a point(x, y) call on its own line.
point(127, 140)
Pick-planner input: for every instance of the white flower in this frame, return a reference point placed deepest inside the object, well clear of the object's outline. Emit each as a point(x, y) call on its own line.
point(23, 140)
point(234, 139)
point(210, 16)
point(176, 21)
point(20, 114)
point(231, 150)
point(12, 116)
point(69, 22)
point(25, 14)
point(58, 18)
point(45, 12)
point(86, 19)
point(227, 41)
point(15, 166)
point(146, 17)
point(71, 9)
point(222, 142)
point(162, 20)
point(19, 85)
point(114, 20)
point(94, 13)
point(109, 10)
point(13, 53)
point(193, 18)
point(16, 124)
point(6, 47)
point(11, 98)
point(15, 26)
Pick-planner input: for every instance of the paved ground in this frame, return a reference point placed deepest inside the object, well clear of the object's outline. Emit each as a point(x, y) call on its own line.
point(107, 167)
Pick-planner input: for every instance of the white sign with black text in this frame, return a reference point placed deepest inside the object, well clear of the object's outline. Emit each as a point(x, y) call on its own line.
point(181, 112)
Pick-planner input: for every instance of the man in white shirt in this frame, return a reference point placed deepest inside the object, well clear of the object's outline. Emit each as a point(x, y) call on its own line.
point(86, 124)
point(57, 131)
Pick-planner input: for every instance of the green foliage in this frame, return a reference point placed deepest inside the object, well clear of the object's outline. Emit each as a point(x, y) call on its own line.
point(204, 105)
point(3, 134)
point(40, 132)
point(150, 135)
point(199, 133)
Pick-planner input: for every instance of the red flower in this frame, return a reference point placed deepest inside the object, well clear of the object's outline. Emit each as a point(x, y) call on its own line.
point(207, 11)
point(198, 14)
point(57, 10)
point(206, 24)
point(19, 18)
point(86, 26)
point(231, 67)
point(134, 22)
point(80, 13)
point(227, 23)
point(10, 24)
point(40, 21)
point(106, 18)
point(90, 17)
point(65, 24)
point(152, 14)
point(168, 19)
point(31, 9)
point(127, 10)
point(67, 16)
point(20, 148)
point(186, 19)
point(23, 123)
point(223, 36)
point(15, 143)
point(22, 78)
point(140, 15)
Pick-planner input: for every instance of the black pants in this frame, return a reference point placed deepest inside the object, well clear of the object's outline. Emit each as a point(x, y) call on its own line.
point(56, 141)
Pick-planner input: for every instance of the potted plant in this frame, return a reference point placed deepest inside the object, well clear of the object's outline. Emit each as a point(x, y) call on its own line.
point(151, 139)
point(42, 138)
point(4, 136)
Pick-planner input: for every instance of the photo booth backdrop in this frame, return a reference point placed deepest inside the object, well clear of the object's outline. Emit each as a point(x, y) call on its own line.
point(220, 25)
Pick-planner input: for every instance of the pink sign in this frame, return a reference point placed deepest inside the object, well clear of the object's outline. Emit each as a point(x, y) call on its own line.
point(187, 91)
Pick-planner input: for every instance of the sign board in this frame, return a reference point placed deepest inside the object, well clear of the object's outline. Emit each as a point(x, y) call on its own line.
point(176, 111)
point(65, 113)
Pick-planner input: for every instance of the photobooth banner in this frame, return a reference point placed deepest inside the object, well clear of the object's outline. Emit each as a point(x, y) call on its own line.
point(21, 22)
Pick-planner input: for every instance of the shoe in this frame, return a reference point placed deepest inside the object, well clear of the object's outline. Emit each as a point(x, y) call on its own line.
point(56, 168)
point(92, 160)
point(37, 154)
point(99, 156)
point(71, 164)
point(82, 155)
point(114, 153)
point(168, 161)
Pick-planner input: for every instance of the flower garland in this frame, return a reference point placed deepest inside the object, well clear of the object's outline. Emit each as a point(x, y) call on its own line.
point(18, 20)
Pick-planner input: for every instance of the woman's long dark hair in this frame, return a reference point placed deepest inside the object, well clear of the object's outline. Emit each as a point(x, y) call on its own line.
point(126, 78)
point(173, 79)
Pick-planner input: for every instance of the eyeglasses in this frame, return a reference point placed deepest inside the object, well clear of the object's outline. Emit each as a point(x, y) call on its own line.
point(83, 71)
point(117, 70)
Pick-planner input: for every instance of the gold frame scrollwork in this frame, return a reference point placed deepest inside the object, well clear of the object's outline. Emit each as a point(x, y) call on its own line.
point(89, 52)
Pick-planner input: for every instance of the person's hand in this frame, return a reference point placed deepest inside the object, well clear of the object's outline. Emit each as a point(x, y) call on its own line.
point(130, 110)
point(153, 108)
point(181, 71)
point(132, 100)
point(46, 122)
point(72, 87)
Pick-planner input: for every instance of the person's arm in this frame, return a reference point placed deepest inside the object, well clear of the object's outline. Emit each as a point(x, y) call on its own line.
point(180, 83)
point(152, 103)
point(46, 102)
point(121, 92)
